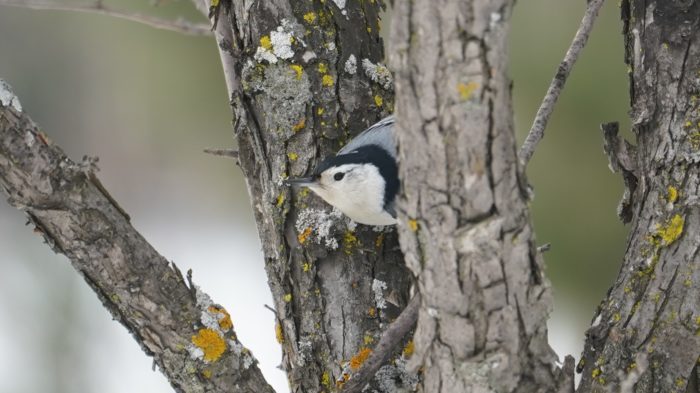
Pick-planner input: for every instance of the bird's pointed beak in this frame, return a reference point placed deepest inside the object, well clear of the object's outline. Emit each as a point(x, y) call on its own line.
point(300, 181)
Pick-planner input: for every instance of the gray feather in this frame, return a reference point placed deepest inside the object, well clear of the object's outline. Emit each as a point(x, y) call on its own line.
point(380, 134)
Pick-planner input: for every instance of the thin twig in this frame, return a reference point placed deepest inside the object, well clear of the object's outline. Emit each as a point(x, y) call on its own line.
point(226, 153)
point(391, 338)
point(179, 25)
point(545, 111)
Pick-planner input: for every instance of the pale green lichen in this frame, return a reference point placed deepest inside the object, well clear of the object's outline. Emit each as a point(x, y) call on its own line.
point(670, 231)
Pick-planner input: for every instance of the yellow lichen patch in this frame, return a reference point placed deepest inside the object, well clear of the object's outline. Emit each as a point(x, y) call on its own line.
point(360, 358)
point(413, 225)
point(225, 322)
point(326, 379)
point(322, 68)
point(280, 200)
point(672, 194)
point(310, 17)
point(206, 373)
point(304, 235)
point(378, 100)
point(350, 240)
point(279, 334)
point(595, 373)
point(380, 240)
point(671, 230)
point(292, 156)
point(372, 312)
point(300, 125)
point(214, 3)
point(306, 266)
point(465, 90)
point(408, 349)
point(695, 140)
point(211, 343)
point(368, 339)
point(298, 69)
point(327, 81)
point(265, 42)
point(320, 111)
point(287, 298)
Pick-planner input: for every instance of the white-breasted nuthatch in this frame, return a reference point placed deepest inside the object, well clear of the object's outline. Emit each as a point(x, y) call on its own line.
point(362, 179)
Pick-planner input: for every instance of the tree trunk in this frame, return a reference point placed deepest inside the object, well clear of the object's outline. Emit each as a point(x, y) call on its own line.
point(652, 309)
point(465, 226)
point(305, 79)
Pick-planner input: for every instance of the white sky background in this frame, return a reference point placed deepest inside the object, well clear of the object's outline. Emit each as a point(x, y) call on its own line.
point(147, 102)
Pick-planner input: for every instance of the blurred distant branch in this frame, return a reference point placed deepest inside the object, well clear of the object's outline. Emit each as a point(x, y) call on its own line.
point(190, 338)
point(226, 153)
point(179, 25)
point(550, 99)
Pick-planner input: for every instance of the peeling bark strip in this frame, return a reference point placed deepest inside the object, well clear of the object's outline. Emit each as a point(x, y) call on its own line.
point(304, 77)
point(653, 306)
point(191, 339)
point(465, 226)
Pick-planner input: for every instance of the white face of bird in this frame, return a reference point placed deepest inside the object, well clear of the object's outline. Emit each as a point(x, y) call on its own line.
point(357, 190)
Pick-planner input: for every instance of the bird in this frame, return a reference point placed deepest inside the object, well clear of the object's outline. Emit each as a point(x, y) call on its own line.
point(362, 179)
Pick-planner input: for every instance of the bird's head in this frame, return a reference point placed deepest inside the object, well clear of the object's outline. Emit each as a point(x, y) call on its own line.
point(362, 184)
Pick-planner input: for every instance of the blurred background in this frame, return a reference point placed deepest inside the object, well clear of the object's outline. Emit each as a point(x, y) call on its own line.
point(148, 101)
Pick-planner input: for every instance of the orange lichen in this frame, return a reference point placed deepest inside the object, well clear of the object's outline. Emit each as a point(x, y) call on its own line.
point(300, 125)
point(360, 358)
point(225, 322)
point(211, 343)
point(304, 235)
point(413, 225)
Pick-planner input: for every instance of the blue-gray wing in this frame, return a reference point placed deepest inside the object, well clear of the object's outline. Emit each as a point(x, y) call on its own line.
point(380, 134)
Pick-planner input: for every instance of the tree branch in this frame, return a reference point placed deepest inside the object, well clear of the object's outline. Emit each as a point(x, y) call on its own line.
point(550, 99)
point(179, 25)
point(190, 338)
point(391, 339)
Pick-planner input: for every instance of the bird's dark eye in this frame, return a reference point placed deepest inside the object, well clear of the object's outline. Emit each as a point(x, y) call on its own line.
point(339, 176)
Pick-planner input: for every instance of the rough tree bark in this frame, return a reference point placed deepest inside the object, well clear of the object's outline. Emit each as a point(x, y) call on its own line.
point(304, 77)
point(300, 76)
point(466, 229)
point(653, 307)
point(190, 338)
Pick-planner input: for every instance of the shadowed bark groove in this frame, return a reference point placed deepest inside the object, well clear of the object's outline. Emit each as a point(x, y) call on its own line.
point(465, 225)
point(190, 338)
point(653, 308)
